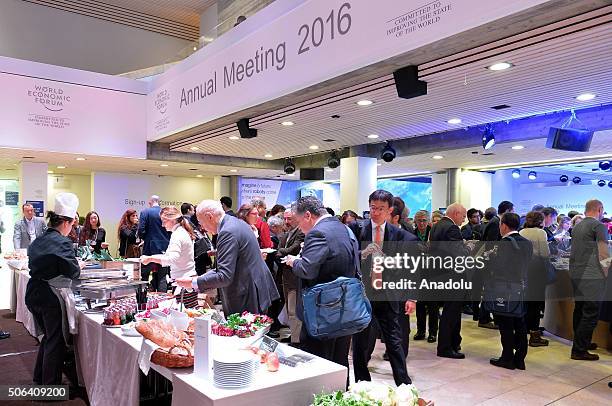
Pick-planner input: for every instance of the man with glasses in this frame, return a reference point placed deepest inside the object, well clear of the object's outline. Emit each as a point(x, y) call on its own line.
point(375, 237)
point(473, 229)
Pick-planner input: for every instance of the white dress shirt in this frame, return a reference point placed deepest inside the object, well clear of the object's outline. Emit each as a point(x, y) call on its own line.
point(31, 229)
point(179, 254)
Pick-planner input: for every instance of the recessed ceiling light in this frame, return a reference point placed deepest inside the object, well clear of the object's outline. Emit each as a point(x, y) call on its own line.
point(518, 147)
point(365, 102)
point(163, 165)
point(198, 176)
point(499, 66)
point(268, 156)
point(193, 169)
point(27, 157)
point(234, 137)
point(373, 136)
point(287, 123)
point(194, 148)
point(454, 121)
point(195, 48)
point(313, 147)
point(586, 96)
point(329, 170)
point(80, 158)
point(49, 171)
point(144, 170)
point(437, 157)
point(61, 167)
point(379, 164)
point(234, 170)
point(291, 174)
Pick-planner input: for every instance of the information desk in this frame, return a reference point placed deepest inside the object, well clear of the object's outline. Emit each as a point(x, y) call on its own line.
point(107, 364)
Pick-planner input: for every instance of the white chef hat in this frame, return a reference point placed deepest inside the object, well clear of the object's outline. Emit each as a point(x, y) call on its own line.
point(66, 204)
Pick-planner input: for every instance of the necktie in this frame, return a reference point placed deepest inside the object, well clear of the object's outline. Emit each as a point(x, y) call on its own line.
point(376, 277)
point(378, 236)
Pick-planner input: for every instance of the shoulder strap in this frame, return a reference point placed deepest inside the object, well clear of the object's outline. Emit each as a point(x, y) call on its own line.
point(356, 255)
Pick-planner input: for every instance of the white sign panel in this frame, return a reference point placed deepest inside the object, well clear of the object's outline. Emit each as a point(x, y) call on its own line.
point(314, 42)
point(62, 117)
point(260, 189)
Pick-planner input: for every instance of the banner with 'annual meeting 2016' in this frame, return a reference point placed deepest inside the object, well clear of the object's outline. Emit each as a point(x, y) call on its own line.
point(316, 41)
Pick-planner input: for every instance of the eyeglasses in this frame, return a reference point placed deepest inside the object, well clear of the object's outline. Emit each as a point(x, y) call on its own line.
point(375, 208)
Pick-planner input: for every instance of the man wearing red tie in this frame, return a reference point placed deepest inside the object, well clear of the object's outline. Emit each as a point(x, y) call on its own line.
point(378, 238)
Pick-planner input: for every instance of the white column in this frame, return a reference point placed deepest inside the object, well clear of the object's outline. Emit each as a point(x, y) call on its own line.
point(221, 187)
point(357, 180)
point(475, 189)
point(439, 190)
point(33, 184)
point(208, 23)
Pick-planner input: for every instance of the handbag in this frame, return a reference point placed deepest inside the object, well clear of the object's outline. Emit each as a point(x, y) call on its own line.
point(505, 298)
point(551, 272)
point(337, 308)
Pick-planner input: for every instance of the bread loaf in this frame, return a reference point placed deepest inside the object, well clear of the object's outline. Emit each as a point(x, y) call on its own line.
point(161, 333)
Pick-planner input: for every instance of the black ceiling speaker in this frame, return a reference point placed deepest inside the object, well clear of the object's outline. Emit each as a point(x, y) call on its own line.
point(289, 166)
point(601, 183)
point(312, 174)
point(576, 179)
point(563, 178)
point(333, 161)
point(408, 84)
point(569, 139)
point(604, 165)
point(244, 130)
point(388, 153)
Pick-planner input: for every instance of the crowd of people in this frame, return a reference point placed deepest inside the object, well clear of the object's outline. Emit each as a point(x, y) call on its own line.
point(261, 261)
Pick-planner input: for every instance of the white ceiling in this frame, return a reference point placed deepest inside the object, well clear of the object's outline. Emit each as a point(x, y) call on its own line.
point(178, 18)
point(10, 158)
point(546, 76)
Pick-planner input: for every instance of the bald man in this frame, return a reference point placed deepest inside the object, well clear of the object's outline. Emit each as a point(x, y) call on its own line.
point(447, 241)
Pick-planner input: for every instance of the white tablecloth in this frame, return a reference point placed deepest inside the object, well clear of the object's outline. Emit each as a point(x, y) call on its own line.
point(107, 364)
point(22, 314)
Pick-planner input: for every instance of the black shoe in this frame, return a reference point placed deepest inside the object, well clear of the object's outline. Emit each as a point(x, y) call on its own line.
point(419, 336)
point(431, 339)
point(498, 362)
point(458, 349)
point(451, 354)
point(520, 365)
point(386, 356)
point(4, 334)
point(273, 334)
point(489, 325)
point(592, 347)
point(587, 356)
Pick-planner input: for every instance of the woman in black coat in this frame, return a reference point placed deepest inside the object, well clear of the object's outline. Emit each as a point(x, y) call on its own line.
point(51, 255)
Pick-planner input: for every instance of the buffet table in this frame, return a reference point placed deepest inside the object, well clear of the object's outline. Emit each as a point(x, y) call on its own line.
point(107, 363)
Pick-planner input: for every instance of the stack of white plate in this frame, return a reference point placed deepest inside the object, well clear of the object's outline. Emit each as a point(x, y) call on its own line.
point(234, 370)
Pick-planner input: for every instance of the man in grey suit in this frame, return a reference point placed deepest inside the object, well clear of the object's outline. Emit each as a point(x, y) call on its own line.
point(28, 228)
point(242, 275)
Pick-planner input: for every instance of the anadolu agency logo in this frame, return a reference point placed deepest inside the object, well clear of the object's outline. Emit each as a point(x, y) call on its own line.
point(52, 98)
point(161, 101)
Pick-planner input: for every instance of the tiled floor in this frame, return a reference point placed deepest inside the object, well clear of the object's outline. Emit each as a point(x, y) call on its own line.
point(551, 376)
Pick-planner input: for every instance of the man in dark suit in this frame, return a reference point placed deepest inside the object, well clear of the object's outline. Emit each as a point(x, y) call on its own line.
point(376, 236)
point(446, 241)
point(155, 239)
point(330, 251)
point(490, 233)
point(241, 275)
point(290, 243)
point(510, 265)
point(226, 203)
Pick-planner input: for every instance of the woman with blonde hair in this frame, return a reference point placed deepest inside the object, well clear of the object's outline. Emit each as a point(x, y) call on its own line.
point(179, 254)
